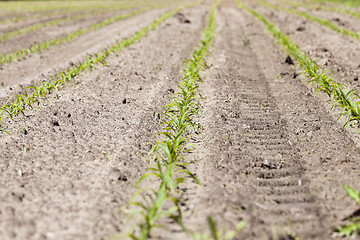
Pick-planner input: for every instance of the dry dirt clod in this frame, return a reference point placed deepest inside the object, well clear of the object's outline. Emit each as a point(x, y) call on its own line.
point(289, 61)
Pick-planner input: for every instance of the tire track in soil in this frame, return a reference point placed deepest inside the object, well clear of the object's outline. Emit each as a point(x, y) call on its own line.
point(330, 153)
point(62, 186)
point(332, 51)
point(248, 165)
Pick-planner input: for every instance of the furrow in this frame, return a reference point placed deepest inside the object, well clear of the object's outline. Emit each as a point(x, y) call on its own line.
point(250, 141)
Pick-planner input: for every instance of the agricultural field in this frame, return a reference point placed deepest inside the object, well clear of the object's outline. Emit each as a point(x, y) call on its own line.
point(180, 119)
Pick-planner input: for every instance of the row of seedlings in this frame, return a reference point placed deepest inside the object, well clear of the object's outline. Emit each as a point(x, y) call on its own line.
point(10, 57)
point(18, 104)
point(340, 95)
point(36, 47)
point(37, 26)
point(167, 157)
point(167, 161)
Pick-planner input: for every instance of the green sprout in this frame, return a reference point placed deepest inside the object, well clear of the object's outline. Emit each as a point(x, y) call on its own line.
point(353, 228)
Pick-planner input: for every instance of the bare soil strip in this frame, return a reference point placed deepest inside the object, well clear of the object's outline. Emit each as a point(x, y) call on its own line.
point(96, 139)
point(266, 153)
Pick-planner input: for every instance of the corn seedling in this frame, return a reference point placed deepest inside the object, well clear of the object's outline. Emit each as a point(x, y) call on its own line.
point(167, 160)
point(323, 22)
point(352, 229)
point(342, 97)
point(246, 40)
point(19, 103)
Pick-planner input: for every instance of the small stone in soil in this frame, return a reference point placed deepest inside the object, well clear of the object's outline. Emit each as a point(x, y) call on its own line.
point(289, 61)
point(55, 123)
point(300, 29)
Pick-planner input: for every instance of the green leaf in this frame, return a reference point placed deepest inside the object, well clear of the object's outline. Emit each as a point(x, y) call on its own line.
point(348, 230)
point(213, 228)
point(352, 193)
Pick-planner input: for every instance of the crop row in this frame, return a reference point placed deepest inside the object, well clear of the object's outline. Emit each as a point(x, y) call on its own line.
point(340, 95)
point(322, 7)
point(20, 103)
point(50, 23)
point(322, 21)
point(38, 26)
point(167, 155)
point(168, 162)
point(36, 47)
point(5, 58)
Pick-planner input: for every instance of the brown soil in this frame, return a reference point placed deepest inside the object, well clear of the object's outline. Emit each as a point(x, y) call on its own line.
point(270, 153)
point(76, 196)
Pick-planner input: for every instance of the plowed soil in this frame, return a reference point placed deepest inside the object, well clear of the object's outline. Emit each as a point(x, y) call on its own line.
point(271, 151)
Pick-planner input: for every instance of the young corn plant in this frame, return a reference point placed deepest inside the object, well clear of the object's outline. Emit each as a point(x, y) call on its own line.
point(167, 157)
point(20, 103)
point(342, 97)
point(353, 228)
